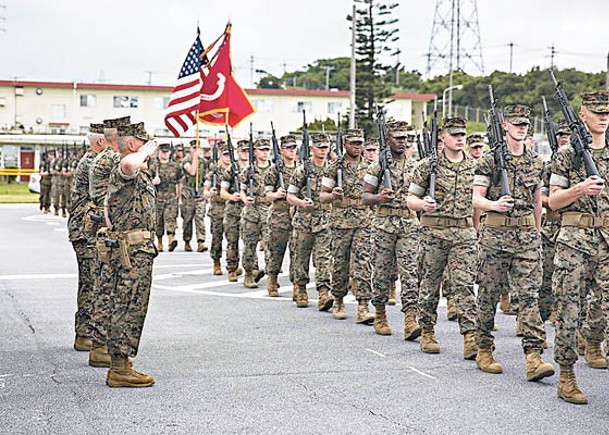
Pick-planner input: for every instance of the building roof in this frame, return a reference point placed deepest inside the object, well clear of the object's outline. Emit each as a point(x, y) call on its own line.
point(168, 89)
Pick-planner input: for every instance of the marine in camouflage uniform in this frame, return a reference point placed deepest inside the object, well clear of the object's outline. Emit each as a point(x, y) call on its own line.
point(279, 222)
point(45, 181)
point(166, 177)
point(311, 223)
point(582, 247)
point(216, 203)
point(57, 184)
point(350, 231)
point(127, 254)
point(448, 236)
point(99, 179)
point(67, 172)
point(256, 210)
point(79, 234)
point(510, 245)
point(395, 233)
point(193, 203)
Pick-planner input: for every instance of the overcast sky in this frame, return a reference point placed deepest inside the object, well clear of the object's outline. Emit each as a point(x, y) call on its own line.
point(121, 41)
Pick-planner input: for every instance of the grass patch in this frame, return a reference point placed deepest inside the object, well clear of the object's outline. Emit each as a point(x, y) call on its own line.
point(16, 193)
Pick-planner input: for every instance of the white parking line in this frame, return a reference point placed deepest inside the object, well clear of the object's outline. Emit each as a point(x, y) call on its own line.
point(421, 373)
point(39, 276)
point(376, 353)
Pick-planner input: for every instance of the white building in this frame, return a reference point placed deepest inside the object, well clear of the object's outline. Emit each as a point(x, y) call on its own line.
point(55, 113)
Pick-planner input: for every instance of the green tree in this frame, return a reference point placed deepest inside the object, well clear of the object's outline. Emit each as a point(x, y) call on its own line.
point(376, 38)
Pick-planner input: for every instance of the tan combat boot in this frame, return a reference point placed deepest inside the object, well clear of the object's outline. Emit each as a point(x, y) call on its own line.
point(567, 387)
point(56, 213)
point(339, 312)
point(486, 362)
point(232, 276)
point(581, 344)
point(63, 212)
point(217, 267)
point(536, 368)
point(173, 243)
point(239, 271)
point(302, 301)
point(271, 286)
point(505, 305)
point(429, 344)
point(121, 374)
point(187, 246)
point(159, 244)
point(248, 281)
point(257, 274)
point(594, 355)
point(82, 344)
point(451, 308)
point(294, 292)
point(325, 299)
point(381, 327)
point(470, 348)
point(201, 246)
point(99, 356)
point(391, 300)
point(412, 329)
point(364, 316)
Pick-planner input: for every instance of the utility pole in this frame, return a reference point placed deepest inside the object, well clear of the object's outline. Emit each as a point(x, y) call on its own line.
point(252, 71)
point(150, 73)
point(352, 72)
point(450, 62)
point(511, 45)
point(328, 68)
point(552, 53)
point(397, 67)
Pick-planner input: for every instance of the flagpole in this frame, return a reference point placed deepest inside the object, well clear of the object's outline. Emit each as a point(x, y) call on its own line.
point(198, 157)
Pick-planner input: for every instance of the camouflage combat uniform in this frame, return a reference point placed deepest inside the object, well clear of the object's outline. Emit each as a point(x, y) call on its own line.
point(57, 184)
point(231, 222)
point(510, 250)
point(69, 166)
point(170, 174)
point(45, 185)
point(311, 233)
point(448, 240)
point(79, 234)
point(193, 207)
point(395, 238)
point(549, 231)
point(216, 214)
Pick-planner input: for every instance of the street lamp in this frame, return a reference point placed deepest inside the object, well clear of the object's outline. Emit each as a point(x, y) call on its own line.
point(450, 88)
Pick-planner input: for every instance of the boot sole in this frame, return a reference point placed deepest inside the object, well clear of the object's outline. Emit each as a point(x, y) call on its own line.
point(82, 348)
point(173, 246)
point(470, 357)
point(99, 365)
point(365, 322)
point(596, 366)
point(128, 385)
point(259, 276)
point(573, 401)
point(541, 375)
point(431, 351)
point(382, 333)
point(492, 372)
point(413, 335)
point(327, 305)
point(302, 306)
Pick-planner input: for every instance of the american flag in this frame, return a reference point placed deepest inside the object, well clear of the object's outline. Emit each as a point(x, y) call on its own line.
point(184, 101)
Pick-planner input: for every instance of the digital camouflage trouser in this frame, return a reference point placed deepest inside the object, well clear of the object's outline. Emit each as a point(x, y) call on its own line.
point(231, 224)
point(85, 257)
point(216, 227)
point(351, 253)
point(279, 239)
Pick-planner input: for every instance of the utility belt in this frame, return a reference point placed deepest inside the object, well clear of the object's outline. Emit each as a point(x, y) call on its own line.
point(94, 220)
point(552, 216)
point(350, 202)
point(316, 207)
point(446, 222)
point(389, 211)
point(583, 220)
point(119, 243)
point(500, 220)
point(281, 205)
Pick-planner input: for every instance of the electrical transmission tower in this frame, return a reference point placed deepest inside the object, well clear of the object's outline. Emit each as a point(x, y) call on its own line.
point(455, 38)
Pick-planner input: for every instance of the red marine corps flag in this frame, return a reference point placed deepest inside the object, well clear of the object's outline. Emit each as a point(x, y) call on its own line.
point(222, 101)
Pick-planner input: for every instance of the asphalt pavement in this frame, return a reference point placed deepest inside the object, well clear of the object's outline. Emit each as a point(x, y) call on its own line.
point(230, 360)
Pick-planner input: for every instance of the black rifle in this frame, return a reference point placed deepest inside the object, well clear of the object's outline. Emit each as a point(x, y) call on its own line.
point(214, 159)
point(581, 137)
point(499, 146)
point(339, 155)
point(549, 126)
point(75, 150)
point(84, 147)
point(172, 152)
point(426, 137)
point(278, 160)
point(420, 146)
point(305, 153)
point(234, 169)
point(43, 159)
point(251, 172)
point(433, 151)
point(385, 156)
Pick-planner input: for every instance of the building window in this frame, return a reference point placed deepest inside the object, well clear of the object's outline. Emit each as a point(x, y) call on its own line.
point(161, 103)
point(58, 111)
point(125, 102)
point(302, 105)
point(334, 108)
point(88, 100)
point(263, 106)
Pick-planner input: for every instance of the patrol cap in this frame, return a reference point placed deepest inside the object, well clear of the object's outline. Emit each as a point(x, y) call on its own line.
point(371, 144)
point(136, 130)
point(475, 140)
point(222, 147)
point(597, 101)
point(116, 122)
point(262, 144)
point(563, 127)
point(320, 140)
point(354, 135)
point(96, 128)
point(164, 147)
point(455, 125)
point(517, 114)
point(242, 145)
point(397, 128)
point(288, 141)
